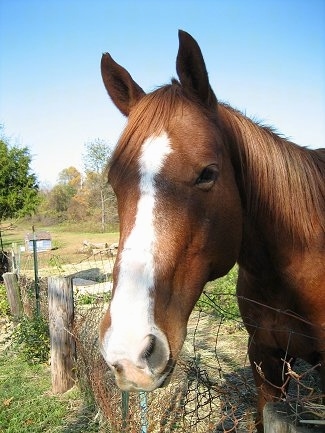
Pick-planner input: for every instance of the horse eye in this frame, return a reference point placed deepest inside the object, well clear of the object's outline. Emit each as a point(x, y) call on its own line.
point(207, 177)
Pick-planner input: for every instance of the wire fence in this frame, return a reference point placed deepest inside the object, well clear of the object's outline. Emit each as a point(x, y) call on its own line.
point(212, 389)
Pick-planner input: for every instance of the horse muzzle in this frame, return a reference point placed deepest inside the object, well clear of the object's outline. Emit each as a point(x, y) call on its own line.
point(129, 377)
point(142, 367)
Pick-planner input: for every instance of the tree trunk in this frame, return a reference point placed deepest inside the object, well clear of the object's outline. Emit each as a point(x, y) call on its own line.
point(103, 209)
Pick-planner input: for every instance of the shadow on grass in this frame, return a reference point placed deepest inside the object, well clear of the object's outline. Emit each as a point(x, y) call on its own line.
point(82, 421)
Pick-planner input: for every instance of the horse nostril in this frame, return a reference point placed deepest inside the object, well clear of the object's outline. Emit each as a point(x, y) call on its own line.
point(155, 353)
point(148, 351)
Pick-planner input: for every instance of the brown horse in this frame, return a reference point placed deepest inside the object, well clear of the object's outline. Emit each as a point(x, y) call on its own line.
point(199, 187)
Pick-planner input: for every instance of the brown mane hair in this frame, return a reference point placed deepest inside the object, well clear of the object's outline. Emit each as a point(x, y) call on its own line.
point(275, 175)
point(279, 177)
point(151, 115)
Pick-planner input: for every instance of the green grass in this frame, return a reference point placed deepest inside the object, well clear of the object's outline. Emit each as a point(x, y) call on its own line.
point(27, 404)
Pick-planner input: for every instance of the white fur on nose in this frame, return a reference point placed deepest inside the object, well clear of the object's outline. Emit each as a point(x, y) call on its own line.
point(131, 309)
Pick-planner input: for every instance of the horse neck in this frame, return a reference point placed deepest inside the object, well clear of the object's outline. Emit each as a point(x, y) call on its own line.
point(281, 184)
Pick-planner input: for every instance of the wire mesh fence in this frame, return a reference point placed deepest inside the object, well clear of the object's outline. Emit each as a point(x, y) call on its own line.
point(212, 389)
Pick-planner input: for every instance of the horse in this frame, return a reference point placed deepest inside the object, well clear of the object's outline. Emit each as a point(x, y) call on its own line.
point(199, 187)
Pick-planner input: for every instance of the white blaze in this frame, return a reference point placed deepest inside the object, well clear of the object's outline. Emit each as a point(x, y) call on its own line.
point(131, 308)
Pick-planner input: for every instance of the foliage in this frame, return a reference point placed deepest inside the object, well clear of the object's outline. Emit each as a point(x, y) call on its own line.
point(32, 337)
point(56, 261)
point(4, 305)
point(90, 299)
point(60, 196)
point(18, 187)
point(97, 156)
point(70, 176)
point(219, 296)
point(85, 199)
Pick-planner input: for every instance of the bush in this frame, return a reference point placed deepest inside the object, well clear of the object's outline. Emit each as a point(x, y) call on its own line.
point(219, 296)
point(32, 337)
point(4, 305)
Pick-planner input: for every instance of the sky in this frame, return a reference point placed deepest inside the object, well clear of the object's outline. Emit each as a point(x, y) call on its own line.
point(264, 57)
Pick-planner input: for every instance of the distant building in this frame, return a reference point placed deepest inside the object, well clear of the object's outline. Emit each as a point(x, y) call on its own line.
point(43, 241)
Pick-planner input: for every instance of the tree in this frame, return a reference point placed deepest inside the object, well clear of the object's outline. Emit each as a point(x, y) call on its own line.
point(18, 186)
point(60, 197)
point(56, 201)
point(95, 161)
point(97, 155)
point(70, 176)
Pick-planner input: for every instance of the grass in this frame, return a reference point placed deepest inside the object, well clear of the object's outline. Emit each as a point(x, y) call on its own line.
point(67, 246)
point(219, 297)
point(27, 404)
point(65, 240)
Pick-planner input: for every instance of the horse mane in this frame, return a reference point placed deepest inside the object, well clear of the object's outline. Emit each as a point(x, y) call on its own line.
point(276, 177)
point(280, 179)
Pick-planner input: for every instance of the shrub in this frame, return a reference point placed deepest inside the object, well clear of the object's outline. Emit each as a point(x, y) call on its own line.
point(4, 305)
point(219, 296)
point(32, 337)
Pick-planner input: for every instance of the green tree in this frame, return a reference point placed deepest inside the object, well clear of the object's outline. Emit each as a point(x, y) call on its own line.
point(70, 176)
point(18, 186)
point(97, 156)
point(56, 201)
point(60, 198)
point(95, 160)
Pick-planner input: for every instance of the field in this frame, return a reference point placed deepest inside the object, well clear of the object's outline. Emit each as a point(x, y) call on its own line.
point(71, 251)
point(67, 242)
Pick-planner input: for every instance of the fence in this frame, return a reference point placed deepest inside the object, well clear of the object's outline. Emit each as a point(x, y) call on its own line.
point(212, 389)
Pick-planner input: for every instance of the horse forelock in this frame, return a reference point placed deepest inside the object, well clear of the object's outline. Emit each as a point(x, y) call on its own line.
point(151, 116)
point(280, 179)
point(148, 118)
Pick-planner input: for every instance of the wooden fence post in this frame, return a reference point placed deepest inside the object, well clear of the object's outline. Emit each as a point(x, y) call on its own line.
point(61, 314)
point(13, 294)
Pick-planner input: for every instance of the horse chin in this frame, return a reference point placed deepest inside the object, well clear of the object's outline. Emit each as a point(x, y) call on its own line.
point(166, 381)
point(167, 377)
point(137, 380)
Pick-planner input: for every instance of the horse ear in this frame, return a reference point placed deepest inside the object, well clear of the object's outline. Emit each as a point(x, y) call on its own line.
point(191, 70)
point(120, 86)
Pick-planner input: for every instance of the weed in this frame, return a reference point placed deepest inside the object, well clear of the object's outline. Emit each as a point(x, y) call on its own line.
point(56, 261)
point(219, 297)
point(4, 305)
point(31, 336)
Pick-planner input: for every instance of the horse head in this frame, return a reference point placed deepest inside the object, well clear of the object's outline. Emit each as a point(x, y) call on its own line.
point(180, 216)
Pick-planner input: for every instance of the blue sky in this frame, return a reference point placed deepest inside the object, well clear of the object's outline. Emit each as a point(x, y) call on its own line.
point(265, 57)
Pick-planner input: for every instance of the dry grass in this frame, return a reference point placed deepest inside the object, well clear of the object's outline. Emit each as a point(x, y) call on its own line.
point(68, 254)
